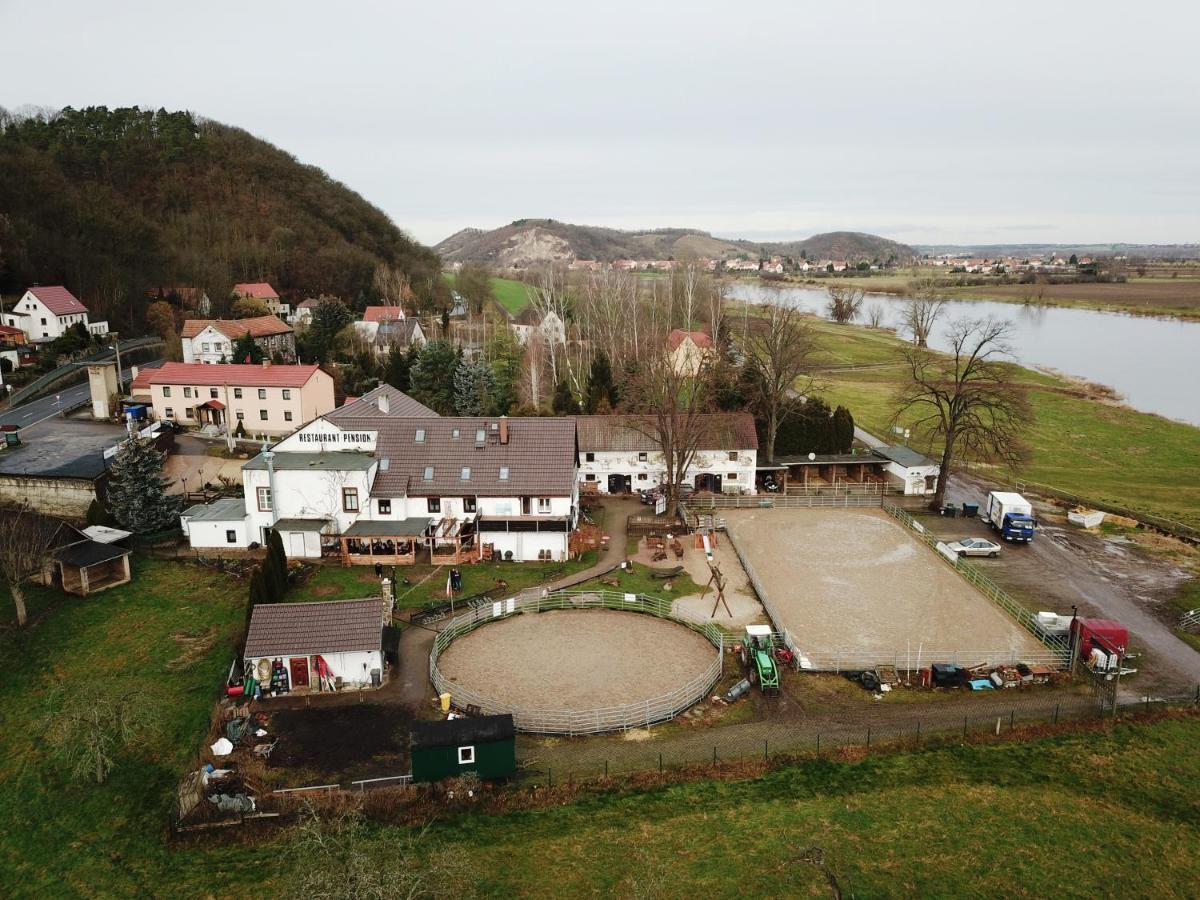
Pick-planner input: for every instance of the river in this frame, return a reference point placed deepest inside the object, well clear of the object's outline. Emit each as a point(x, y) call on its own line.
point(1153, 363)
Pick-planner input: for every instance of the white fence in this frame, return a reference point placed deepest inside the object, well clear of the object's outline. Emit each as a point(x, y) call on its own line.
point(590, 721)
point(829, 498)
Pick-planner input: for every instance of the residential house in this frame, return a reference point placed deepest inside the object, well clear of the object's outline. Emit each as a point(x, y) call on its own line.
point(551, 327)
point(620, 454)
point(262, 291)
point(46, 312)
point(265, 399)
point(688, 350)
point(192, 299)
point(211, 341)
point(304, 311)
point(384, 327)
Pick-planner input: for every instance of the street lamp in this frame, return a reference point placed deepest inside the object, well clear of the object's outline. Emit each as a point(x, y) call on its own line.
point(269, 458)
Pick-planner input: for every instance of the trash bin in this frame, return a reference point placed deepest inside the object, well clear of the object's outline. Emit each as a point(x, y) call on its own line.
point(970, 510)
point(950, 510)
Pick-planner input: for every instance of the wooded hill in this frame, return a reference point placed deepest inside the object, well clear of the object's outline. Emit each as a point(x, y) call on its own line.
point(532, 242)
point(113, 203)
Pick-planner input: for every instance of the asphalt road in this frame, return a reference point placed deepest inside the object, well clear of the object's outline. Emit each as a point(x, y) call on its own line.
point(47, 407)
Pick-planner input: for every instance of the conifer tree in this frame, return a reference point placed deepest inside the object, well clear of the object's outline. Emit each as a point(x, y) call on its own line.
point(137, 491)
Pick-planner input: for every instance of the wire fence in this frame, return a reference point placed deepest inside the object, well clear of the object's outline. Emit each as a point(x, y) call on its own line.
point(590, 721)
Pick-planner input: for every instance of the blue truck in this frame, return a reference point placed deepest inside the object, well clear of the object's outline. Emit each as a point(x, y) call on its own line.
point(1011, 515)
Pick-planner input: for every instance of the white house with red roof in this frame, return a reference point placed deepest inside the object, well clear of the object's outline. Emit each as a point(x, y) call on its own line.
point(211, 340)
point(260, 290)
point(266, 399)
point(688, 350)
point(46, 312)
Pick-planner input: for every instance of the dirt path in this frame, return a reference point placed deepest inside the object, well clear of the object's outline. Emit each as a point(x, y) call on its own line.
point(616, 513)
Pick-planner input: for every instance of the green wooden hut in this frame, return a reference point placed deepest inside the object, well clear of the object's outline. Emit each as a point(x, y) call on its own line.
point(485, 745)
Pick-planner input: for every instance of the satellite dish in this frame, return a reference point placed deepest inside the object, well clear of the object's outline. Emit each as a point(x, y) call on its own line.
point(812, 456)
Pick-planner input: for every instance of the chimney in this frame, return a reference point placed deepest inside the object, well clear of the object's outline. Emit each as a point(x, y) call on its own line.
point(504, 429)
point(266, 364)
point(133, 370)
point(384, 404)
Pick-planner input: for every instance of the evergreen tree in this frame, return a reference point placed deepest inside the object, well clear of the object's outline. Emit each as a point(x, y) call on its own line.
point(137, 491)
point(275, 567)
point(245, 350)
point(601, 389)
point(96, 513)
point(432, 376)
point(329, 317)
point(506, 357)
point(474, 389)
point(564, 403)
point(843, 430)
point(399, 365)
point(258, 588)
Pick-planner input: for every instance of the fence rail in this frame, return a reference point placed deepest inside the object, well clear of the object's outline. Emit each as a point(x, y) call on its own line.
point(592, 721)
point(827, 499)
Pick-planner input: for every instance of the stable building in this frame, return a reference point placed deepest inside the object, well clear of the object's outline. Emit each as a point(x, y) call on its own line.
point(330, 646)
point(483, 745)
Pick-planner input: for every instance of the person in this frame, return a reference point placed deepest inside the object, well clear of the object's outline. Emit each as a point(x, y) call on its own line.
point(379, 570)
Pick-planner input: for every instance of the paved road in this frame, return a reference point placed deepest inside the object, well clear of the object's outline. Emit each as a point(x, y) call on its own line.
point(47, 407)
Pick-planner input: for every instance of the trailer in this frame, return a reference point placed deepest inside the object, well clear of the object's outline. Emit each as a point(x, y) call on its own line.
point(1102, 643)
point(1011, 515)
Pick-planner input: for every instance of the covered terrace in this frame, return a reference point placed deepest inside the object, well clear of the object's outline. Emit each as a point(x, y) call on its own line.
point(391, 542)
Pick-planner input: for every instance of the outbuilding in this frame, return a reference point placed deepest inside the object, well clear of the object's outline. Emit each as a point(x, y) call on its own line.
point(87, 566)
point(485, 745)
point(313, 647)
point(909, 471)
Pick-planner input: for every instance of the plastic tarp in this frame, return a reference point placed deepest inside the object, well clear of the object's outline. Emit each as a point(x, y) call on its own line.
point(222, 747)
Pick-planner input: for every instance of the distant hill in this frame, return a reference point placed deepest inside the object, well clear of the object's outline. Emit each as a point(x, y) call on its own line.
point(531, 242)
point(112, 203)
point(1148, 251)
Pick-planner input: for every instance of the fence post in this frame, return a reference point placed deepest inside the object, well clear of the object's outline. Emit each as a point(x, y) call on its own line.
point(606, 768)
point(1056, 706)
point(660, 768)
point(1012, 719)
point(714, 754)
point(868, 737)
point(765, 754)
point(818, 745)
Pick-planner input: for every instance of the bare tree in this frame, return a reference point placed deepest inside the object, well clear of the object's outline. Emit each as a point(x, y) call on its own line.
point(25, 541)
point(779, 347)
point(875, 315)
point(924, 307)
point(92, 723)
point(391, 285)
point(966, 399)
point(844, 303)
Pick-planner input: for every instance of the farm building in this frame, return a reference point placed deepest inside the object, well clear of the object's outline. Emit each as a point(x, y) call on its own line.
point(485, 745)
point(916, 473)
point(334, 645)
point(899, 469)
point(218, 525)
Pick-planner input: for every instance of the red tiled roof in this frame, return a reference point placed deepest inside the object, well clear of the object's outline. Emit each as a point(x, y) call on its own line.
point(259, 290)
point(255, 326)
point(239, 375)
point(677, 335)
point(307, 628)
point(8, 329)
point(58, 299)
point(382, 313)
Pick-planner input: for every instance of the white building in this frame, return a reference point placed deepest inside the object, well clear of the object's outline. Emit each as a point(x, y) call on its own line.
point(621, 454)
point(218, 525)
point(211, 341)
point(906, 468)
point(46, 312)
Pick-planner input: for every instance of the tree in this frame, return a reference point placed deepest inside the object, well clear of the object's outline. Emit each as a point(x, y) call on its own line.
point(875, 315)
point(843, 430)
point(247, 351)
point(433, 376)
point(26, 539)
point(275, 568)
point(89, 725)
point(399, 365)
point(259, 592)
point(160, 320)
point(601, 390)
point(329, 317)
point(922, 310)
point(844, 303)
point(249, 308)
point(505, 358)
point(474, 282)
point(391, 284)
point(965, 400)
point(137, 491)
point(474, 388)
point(780, 353)
point(564, 403)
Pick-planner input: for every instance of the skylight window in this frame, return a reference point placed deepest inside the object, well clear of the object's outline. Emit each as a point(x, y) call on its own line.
point(384, 464)
point(504, 473)
point(429, 473)
point(455, 434)
point(480, 437)
point(420, 438)
point(466, 473)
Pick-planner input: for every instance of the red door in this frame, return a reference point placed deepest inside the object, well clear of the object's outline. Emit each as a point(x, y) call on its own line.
point(298, 665)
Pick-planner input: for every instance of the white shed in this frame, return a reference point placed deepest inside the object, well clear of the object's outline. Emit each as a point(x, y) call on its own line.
point(220, 524)
point(337, 645)
point(909, 470)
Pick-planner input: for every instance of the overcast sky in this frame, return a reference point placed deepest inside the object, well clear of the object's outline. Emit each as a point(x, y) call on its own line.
point(926, 122)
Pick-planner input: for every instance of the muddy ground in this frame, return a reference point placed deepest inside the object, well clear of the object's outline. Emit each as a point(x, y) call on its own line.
point(341, 743)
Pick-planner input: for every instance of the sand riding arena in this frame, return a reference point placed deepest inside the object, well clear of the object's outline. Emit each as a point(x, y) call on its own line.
point(577, 662)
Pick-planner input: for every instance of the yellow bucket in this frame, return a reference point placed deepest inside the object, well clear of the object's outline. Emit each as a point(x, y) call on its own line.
point(445, 700)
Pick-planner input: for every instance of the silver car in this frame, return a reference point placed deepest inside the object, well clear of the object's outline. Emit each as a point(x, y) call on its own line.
point(975, 547)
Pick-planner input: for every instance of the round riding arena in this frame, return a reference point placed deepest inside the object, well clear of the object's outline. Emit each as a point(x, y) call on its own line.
point(576, 670)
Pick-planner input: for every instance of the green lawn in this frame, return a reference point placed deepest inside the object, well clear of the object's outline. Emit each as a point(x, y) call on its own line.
point(513, 295)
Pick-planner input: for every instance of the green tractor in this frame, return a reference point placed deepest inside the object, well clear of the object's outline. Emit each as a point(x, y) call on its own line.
point(758, 656)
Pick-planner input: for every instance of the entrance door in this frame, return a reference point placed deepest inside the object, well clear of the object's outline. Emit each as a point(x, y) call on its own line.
point(619, 484)
point(298, 666)
point(295, 543)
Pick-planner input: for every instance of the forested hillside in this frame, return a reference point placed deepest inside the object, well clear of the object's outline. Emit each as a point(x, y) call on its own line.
point(113, 203)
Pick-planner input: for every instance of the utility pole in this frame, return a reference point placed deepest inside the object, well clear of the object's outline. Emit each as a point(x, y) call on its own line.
point(269, 458)
point(228, 425)
point(120, 376)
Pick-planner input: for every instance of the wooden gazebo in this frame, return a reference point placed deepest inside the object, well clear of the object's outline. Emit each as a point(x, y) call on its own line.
point(390, 542)
point(453, 542)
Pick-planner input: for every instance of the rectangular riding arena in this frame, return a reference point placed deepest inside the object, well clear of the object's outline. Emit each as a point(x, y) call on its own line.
point(853, 587)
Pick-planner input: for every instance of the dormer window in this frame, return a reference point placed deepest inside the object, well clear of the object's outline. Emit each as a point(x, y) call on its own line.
point(480, 437)
point(420, 436)
point(385, 464)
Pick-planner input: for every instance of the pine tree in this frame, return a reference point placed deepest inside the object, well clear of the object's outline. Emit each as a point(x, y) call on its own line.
point(277, 559)
point(96, 513)
point(474, 388)
point(137, 491)
point(843, 430)
point(432, 376)
point(399, 365)
point(258, 588)
point(601, 389)
point(564, 403)
point(247, 351)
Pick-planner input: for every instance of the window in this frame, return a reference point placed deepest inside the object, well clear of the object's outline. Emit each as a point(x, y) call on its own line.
point(420, 436)
point(428, 473)
point(287, 417)
point(504, 473)
point(167, 391)
point(733, 456)
point(204, 347)
point(212, 392)
point(230, 536)
point(465, 475)
point(589, 457)
point(240, 415)
point(643, 456)
point(590, 476)
point(287, 394)
point(480, 437)
point(732, 476)
point(264, 499)
point(262, 393)
point(237, 393)
point(642, 476)
point(262, 414)
point(468, 504)
point(434, 504)
point(187, 413)
point(385, 507)
point(349, 499)
point(43, 321)
point(544, 555)
point(169, 413)
point(455, 434)
point(187, 392)
point(466, 756)
point(543, 505)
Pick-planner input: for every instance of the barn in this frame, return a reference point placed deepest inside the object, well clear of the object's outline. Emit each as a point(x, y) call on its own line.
point(485, 745)
point(312, 647)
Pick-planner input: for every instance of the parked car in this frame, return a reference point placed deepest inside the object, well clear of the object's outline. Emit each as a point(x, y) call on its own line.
point(975, 547)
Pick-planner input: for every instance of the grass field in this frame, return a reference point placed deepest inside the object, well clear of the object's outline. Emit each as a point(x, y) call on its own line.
point(511, 294)
point(1082, 815)
point(1080, 445)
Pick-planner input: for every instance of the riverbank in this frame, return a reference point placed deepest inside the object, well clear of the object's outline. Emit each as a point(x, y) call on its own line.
point(1083, 440)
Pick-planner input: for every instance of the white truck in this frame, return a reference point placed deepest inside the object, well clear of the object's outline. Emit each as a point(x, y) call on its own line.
point(1011, 515)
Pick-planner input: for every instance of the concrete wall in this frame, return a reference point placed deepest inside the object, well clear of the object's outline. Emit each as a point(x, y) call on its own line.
point(65, 497)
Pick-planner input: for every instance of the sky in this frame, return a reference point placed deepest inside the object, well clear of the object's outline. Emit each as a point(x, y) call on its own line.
point(926, 122)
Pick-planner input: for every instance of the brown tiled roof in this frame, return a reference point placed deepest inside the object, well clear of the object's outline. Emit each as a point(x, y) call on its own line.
point(259, 289)
point(255, 326)
point(539, 456)
point(720, 431)
point(312, 628)
point(58, 299)
point(367, 406)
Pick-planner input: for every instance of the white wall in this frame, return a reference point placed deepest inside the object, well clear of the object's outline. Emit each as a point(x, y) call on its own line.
point(525, 544)
point(347, 665)
point(716, 462)
point(218, 347)
point(306, 495)
point(912, 479)
point(207, 534)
